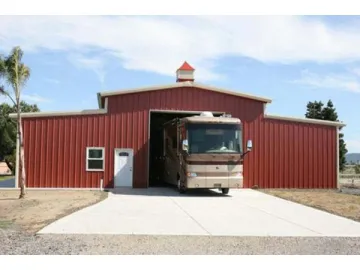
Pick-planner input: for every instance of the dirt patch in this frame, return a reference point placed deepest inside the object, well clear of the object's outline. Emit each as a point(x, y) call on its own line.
point(40, 208)
point(332, 201)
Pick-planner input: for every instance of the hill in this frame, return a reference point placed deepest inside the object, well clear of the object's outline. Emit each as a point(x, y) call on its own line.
point(353, 157)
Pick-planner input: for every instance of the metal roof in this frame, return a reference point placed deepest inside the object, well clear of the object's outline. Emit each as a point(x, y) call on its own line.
point(182, 84)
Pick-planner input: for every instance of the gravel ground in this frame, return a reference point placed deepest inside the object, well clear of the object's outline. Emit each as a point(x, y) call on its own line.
point(17, 243)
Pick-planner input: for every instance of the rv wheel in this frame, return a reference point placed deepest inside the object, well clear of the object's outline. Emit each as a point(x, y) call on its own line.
point(225, 190)
point(180, 187)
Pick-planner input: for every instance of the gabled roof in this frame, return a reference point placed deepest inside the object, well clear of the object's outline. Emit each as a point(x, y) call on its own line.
point(186, 66)
point(178, 85)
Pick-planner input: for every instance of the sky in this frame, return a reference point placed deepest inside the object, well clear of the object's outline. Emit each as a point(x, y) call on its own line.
point(289, 59)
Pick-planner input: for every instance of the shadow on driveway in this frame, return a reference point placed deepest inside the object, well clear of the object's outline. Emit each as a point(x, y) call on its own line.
point(168, 192)
point(10, 183)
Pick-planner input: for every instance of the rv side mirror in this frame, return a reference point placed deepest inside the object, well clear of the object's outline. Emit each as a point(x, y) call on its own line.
point(249, 145)
point(185, 145)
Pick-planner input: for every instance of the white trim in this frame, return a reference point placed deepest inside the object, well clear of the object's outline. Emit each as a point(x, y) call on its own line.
point(183, 84)
point(337, 159)
point(305, 120)
point(63, 113)
point(87, 158)
point(131, 151)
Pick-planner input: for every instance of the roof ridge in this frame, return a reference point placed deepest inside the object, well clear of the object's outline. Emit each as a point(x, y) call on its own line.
point(182, 84)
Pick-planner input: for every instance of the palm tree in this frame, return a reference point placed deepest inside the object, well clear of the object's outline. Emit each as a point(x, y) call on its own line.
point(15, 73)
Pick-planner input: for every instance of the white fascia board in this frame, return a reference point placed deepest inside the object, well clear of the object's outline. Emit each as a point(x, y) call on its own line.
point(305, 120)
point(62, 113)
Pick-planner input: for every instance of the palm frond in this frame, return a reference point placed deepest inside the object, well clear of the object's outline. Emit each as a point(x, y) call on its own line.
point(24, 74)
point(2, 67)
point(17, 73)
point(11, 63)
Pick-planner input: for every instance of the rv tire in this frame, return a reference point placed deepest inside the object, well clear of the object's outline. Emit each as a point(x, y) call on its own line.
point(180, 187)
point(225, 190)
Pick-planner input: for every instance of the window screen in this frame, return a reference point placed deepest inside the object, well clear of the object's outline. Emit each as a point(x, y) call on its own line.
point(95, 159)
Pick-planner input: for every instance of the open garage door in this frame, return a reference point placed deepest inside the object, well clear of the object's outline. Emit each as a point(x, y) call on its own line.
point(156, 161)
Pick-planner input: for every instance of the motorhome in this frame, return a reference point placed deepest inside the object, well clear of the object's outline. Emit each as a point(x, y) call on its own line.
point(204, 152)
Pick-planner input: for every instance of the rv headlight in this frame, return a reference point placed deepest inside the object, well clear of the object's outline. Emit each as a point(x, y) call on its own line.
point(191, 174)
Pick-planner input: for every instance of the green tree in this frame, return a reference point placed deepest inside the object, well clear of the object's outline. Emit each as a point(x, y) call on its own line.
point(329, 112)
point(316, 110)
point(16, 74)
point(8, 129)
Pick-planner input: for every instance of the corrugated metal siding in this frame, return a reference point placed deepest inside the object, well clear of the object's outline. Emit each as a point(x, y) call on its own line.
point(55, 150)
point(291, 155)
point(285, 154)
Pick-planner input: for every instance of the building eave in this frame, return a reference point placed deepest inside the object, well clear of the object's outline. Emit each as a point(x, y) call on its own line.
point(62, 113)
point(305, 120)
point(184, 84)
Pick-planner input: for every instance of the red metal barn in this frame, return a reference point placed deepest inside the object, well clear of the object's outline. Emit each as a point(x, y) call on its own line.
point(79, 149)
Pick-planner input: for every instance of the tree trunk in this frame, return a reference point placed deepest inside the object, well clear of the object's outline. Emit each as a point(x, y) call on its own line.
point(10, 165)
point(21, 158)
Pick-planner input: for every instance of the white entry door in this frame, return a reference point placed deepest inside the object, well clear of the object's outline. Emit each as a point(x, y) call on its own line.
point(123, 167)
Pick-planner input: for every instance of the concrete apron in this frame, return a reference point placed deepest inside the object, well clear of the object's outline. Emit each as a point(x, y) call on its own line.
point(162, 211)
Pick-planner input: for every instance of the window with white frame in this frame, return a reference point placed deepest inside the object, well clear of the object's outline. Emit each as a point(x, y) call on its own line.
point(95, 158)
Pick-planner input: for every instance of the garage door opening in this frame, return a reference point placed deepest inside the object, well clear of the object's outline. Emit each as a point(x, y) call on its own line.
point(156, 161)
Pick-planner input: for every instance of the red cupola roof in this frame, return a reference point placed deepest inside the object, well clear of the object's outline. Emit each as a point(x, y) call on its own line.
point(186, 66)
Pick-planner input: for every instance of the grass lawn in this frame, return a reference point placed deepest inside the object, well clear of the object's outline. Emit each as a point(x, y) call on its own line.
point(5, 177)
point(41, 208)
point(328, 200)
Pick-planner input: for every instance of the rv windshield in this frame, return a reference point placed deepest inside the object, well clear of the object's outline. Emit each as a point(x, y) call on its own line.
point(214, 138)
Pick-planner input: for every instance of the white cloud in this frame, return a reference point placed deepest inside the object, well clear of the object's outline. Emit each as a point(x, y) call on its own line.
point(353, 146)
point(96, 64)
point(35, 98)
point(356, 71)
point(341, 82)
point(161, 44)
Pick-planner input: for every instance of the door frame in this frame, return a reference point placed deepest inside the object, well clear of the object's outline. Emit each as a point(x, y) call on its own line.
point(149, 127)
point(115, 159)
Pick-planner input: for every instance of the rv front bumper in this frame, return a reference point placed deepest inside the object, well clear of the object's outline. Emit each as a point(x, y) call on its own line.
point(214, 182)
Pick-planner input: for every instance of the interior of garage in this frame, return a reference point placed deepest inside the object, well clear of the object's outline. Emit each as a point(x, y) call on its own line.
point(156, 166)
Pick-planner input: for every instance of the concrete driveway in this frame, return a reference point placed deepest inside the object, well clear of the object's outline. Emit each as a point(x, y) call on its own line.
point(162, 211)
